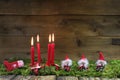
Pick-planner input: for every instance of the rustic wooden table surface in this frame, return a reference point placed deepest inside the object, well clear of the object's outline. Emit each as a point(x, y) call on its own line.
point(51, 77)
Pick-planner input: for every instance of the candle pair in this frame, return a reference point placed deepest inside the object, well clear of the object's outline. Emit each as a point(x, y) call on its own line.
point(51, 50)
point(38, 51)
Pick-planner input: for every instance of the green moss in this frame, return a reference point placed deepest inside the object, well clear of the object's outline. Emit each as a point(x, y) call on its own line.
point(111, 70)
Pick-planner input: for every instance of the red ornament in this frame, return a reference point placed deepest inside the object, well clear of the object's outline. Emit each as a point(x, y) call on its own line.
point(13, 65)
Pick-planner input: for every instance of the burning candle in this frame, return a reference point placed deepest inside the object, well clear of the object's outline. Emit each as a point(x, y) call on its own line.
point(32, 51)
point(52, 49)
point(49, 50)
point(38, 49)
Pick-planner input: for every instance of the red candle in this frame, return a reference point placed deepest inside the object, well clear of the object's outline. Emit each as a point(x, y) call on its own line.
point(38, 50)
point(52, 49)
point(32, 51)
point(49, 50)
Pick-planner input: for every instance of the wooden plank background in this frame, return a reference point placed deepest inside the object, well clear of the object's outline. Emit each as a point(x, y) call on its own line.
point(80, 26)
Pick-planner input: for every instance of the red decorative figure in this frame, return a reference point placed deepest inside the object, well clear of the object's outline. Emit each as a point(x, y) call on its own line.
point(13, 65)
point(101, 62)
point(66, 64)
point(83, 63)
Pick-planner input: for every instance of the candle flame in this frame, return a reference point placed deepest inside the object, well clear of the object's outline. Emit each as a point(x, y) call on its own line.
point(53, 37)
point(32, 41)
point(38, 38)
point(49, 38)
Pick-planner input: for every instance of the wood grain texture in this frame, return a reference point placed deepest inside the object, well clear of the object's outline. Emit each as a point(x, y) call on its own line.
point(61, 25)
point(74, 35)
point(80, 26)
point(53, 7)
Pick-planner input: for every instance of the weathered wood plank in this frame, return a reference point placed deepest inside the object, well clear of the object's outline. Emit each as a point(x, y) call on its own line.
point(60, 25)
point(7, 77)
point(61, 42)
point(24, 42)
point(20, 47)
point(67, 78)
point(110, 52)
point(50, 77)
point(41, 7)
point(19, 77)
point(79, 27)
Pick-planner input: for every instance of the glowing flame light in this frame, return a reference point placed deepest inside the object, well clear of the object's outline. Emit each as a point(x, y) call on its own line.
point(49, 38)
point(38, 38)
point(53, 37)
point(32, 41)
